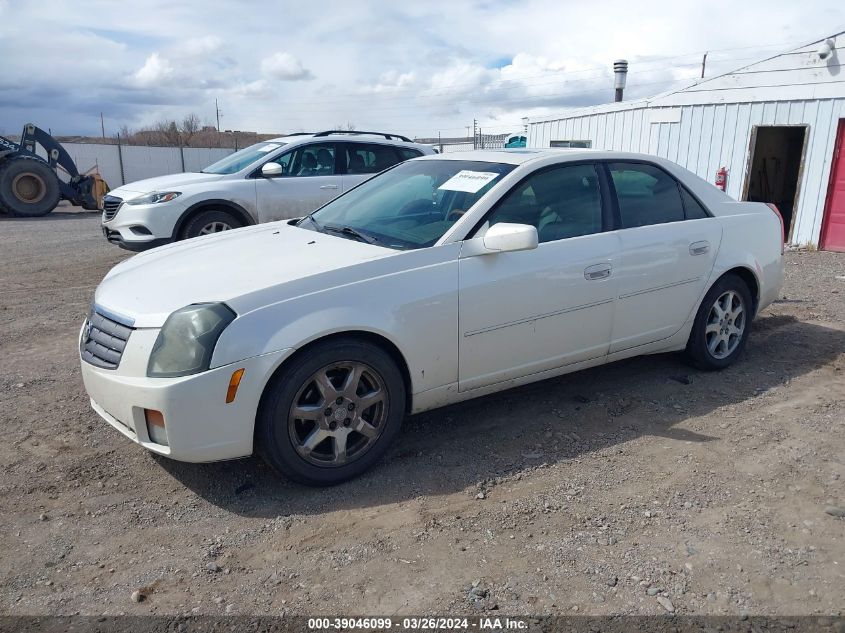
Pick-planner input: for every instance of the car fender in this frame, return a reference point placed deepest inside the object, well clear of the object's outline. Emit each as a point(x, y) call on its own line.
point(752, 241)
point(416, 309)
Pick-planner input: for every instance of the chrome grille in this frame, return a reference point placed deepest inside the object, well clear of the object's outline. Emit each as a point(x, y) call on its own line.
point(103, 340)
point(111, 205)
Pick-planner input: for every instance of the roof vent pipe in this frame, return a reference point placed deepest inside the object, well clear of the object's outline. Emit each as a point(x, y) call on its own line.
point(620, 72)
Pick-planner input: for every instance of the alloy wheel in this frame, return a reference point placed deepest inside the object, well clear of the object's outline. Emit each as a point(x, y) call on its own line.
point(338, 414)
point(214, 227)
point(725, 325)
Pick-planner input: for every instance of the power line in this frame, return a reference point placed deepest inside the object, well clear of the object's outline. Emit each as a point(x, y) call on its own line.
point(395, 99)
point(511, 101)
point(605, 70)
point(309, 105)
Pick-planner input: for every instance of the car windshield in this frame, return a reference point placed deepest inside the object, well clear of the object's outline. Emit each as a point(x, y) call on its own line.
point(239, 160)
point(409, 206)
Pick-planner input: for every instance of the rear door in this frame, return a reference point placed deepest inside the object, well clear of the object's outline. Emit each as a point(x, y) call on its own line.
point(363, 160)
point(309, 179)
point(668, 247)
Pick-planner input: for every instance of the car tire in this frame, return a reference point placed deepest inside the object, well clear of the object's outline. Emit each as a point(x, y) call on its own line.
point(29, 188)
point(349, 419)
point(722, 324)
point(209, 222)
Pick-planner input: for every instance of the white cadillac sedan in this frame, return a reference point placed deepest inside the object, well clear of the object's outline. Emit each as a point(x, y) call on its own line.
point(443, 278)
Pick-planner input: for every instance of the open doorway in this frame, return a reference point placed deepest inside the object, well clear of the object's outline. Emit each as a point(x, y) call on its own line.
point(776, 160)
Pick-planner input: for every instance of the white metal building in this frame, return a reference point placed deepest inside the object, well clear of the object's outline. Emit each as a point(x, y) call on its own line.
point(776, 126)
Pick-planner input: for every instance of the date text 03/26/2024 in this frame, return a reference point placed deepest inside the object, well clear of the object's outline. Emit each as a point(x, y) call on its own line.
point(418, 623)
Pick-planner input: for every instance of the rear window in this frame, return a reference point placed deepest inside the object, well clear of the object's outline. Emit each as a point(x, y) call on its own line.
point(692, 207)
point(408, 154)
point(647, 195)
point(369, 158)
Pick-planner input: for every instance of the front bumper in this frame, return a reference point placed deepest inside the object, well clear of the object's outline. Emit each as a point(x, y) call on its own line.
point(115, 237)
point(201, 426)
point(143, 226)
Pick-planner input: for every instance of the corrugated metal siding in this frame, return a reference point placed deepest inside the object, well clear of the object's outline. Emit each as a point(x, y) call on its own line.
point(709, 136)
point(716, 119)
point(141, 161)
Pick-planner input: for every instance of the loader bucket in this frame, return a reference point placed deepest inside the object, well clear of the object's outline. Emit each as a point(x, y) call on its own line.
point(89, 191)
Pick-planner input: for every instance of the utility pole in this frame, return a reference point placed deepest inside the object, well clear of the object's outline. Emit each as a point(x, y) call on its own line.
point(217, 111)
point(703, 64)
point(102, 125)
point(474, 134)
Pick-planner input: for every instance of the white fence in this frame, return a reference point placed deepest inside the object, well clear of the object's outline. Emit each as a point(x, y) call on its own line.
point(123, 164)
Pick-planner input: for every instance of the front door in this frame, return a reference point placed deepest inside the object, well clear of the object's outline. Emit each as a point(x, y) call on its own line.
point(833, 228)
point(309, 180)
point(522, 313)
point(668, 245)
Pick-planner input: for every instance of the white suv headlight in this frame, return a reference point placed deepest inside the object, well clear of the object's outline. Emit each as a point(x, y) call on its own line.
point(187, 339)
point(157, 197)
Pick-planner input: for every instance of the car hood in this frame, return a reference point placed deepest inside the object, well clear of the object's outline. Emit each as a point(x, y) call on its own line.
point(226, 267)
point(162, 183)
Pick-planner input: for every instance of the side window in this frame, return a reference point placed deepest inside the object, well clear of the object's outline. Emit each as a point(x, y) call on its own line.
point(284, 160)
point(408, 154)
point(692, 207)
point(647, 195)
point(313, 160)
point(369, 158)
point(561, 202)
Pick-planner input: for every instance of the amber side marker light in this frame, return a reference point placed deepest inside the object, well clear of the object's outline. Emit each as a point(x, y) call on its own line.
point(234, 383)
point(155, 426)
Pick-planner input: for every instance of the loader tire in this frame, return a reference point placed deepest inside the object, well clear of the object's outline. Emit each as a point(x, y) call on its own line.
point(28, 187)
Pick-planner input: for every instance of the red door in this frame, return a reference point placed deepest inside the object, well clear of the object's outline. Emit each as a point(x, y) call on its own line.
point(833, 225)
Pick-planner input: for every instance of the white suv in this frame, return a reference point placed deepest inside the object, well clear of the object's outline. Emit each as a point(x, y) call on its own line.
point(282, 178)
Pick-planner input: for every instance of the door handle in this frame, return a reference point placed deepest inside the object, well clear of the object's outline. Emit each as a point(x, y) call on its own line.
point(699, 248)
point(599, 271)
point(328, 186)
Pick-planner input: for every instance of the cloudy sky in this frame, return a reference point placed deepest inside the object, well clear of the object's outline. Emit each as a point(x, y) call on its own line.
point(416, 68)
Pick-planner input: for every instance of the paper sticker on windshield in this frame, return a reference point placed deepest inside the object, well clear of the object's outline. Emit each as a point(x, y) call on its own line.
point(269, 147)
point(469, 181)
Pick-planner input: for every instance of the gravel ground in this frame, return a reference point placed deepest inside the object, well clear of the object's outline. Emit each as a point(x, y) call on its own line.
point(642, 487)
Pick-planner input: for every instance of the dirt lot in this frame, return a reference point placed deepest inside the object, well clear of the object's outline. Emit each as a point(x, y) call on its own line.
point(641, 487)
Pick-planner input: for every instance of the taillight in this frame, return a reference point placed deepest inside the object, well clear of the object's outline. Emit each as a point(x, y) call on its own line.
point(774, 208)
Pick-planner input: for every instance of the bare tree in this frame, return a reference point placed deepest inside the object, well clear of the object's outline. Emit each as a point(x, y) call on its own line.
point(189, 131)
point(167, 133)
point(190, 126)
point(125, 134)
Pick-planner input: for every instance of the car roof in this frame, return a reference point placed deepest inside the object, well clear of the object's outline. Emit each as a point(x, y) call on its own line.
point(379, 138)
point(516, 156)
point(522, 156)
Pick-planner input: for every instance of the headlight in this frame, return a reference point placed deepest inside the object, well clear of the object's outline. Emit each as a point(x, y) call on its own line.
point(155, 198)
point(187, 339)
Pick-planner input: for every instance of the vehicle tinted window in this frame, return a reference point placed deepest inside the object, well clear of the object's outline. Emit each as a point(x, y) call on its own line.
point(369, 158)
point(312, 160)
point(647, 195)
point(408, 154)
point(562, 202)
point(693, 208)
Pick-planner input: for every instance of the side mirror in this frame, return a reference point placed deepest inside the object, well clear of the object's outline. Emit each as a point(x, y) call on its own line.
point(505, 237)
point(271, 170)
